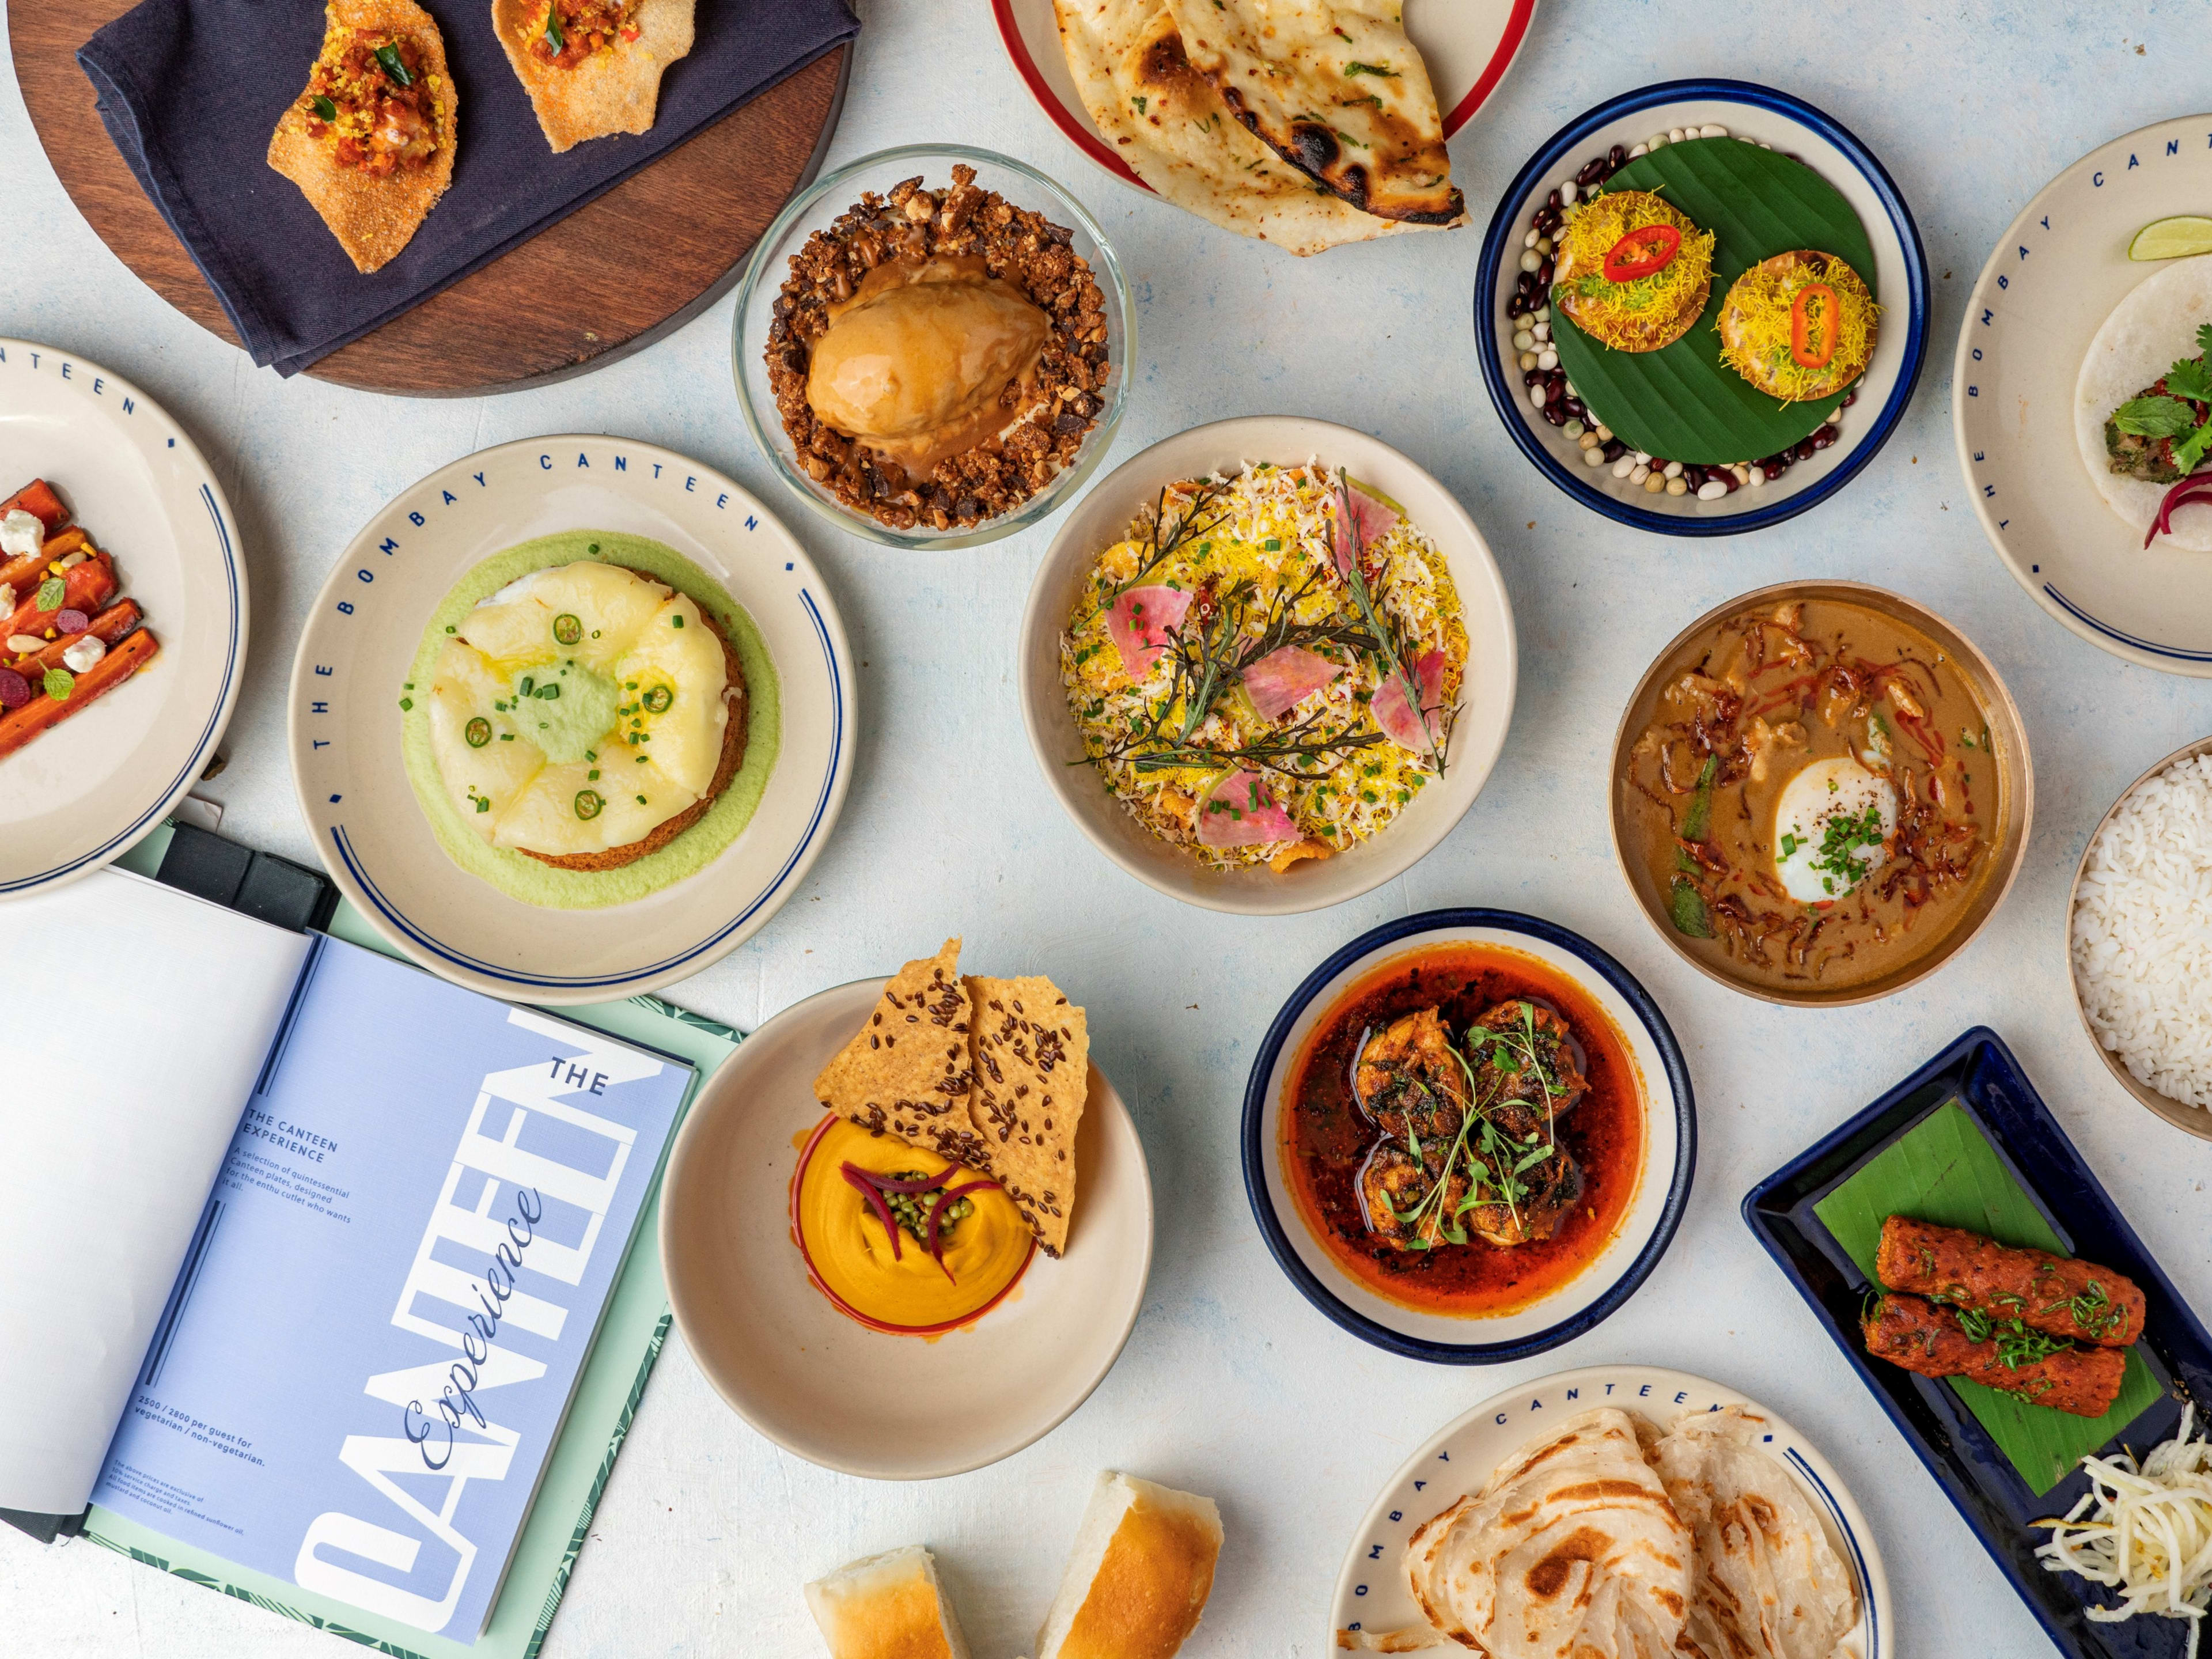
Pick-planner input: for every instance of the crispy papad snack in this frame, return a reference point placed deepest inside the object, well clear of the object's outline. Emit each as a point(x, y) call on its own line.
point(907, 1072)
point(1165, 120)
point(1032, 1076)
point(372, 216)
point(617, 89)
point(1335, 88)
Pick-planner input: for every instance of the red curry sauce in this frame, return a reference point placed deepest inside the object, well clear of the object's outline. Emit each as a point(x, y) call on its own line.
point(1326, 1137)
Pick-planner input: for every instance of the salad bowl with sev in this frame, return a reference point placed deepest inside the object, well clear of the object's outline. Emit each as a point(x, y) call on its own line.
point(1267, 665)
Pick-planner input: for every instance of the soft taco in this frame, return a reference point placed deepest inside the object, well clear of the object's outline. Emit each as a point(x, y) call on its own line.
point(2143, 400)
point(370, 141)
point(592, 67)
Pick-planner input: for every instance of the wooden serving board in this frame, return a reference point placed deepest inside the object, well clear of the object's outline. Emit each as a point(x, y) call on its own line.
point(700, 207)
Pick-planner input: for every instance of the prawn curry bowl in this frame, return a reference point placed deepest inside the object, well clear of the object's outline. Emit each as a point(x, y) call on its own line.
point(1460, 1143)
point(1820, 793)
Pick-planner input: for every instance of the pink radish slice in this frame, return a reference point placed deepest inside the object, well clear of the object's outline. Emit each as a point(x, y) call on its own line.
point(1396, 716)
point(1283, 678)
point(1142, 623)
point(1359, 518)
point(1240, 812)
point(72, 621)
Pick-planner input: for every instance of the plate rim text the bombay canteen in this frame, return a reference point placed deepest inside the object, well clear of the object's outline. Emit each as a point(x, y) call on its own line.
point(672, 493)
point(2001, 476)
point(1864, 438)
point(1396, 1509)
point(190, 501)
point(1260, 1140)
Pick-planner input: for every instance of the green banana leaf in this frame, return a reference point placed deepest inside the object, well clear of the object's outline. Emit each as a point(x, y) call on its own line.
point(1682, 402)
point(1945, 1170)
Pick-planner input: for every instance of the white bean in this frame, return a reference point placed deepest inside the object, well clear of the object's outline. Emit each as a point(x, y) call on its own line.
point(1642, 460)
point(1527, 361)
point(1530, 240)
point(1624, 466)
point(1575, 429)
point(1571, 392)
point(1544, 247)
point(1656, 141)
point(1713, 490)
point(1543, 332)
point(1523, 340)
point(1593, 458)
point(1530, 259)
point(1543, 313)
point(1638, 150)
point(1638, 473)
point(1604, 432)
point(1567, 193)
point(1548, 359)
point(1674, 468)
point(1712, 131)
point(1536, 394)
point(1676, 135)
point(1678, 487)
point(1758, 478)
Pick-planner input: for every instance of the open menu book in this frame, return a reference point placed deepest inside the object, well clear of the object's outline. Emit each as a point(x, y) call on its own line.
point(308, 1255)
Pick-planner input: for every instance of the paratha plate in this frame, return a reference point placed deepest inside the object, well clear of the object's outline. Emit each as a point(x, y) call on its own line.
point(1371, 1592)
point(1792, 127)
point(85, 790)
point(1468, 45)
point(830, 1389)
point(2053, 277)
point(358, 648)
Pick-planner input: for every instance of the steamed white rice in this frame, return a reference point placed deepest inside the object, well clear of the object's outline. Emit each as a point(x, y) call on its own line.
point(2142, 933)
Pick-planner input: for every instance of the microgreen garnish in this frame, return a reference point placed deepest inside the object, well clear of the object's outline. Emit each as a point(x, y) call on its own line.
point(324, 109)
point(387, 55)
point(556, 39)
point(1835, 860)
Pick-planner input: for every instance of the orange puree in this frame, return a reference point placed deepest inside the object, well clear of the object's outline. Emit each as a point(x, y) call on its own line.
point(850, 1258)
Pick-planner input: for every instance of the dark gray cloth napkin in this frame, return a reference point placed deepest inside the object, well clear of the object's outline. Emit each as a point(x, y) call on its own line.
point(191, 89)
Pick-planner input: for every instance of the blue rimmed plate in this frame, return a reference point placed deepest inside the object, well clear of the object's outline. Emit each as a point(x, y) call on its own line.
point(1371, 1592)
point(87, 790)
point(1783, 123)
point(2051, 282)
point(1979, 1074)
point(359, 646)
point(1670, 1146)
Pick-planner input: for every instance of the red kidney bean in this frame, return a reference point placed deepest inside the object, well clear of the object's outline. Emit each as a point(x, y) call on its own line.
point(1544, 275)
point(1616, 158)
point(1555, 414)
point(1552, 201)
point(1692, 474)
point(1850, 398)
point(1614, 449)
point(1534, 377)
point(1824, 438)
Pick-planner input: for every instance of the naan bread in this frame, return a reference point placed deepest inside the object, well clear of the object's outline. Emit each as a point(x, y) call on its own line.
point(1032, 1069)
point(372, 217)
point(2156, 324)
point(617, 90)
point(1167, 122)
point(1572, 1547)
point(1334, 88)
point(1769, 1583)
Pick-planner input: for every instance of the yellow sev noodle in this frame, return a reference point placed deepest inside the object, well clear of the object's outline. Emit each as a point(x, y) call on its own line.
point(1594, 226)
point(1763, 296)
point(2144, 1529)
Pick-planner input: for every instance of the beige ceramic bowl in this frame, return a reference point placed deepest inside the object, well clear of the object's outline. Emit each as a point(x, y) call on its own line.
point(2195, 1119)
point(821, 1384)
point(2015, 810)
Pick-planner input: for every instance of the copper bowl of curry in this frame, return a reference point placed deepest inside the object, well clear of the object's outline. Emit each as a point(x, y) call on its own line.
point(1820, 793)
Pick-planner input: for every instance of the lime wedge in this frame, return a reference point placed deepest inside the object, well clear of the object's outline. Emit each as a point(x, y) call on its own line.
point(2173, 239)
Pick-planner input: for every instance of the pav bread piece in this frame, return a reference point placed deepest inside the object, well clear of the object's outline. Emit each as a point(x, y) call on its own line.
point(1139, 1575)
point(887, 1607)
point(592, 67)
point(370, 141)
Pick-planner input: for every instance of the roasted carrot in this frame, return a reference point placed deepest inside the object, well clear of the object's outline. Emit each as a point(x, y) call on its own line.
point(24, 573)
point(19, 726)
point(108, 626)
point(85, 587)
point(38, 499)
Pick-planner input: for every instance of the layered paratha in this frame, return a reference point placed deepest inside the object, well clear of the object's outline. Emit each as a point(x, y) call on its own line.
point(370, 141)
point(592, 67)
point(1335, 88)
point(1165, 120)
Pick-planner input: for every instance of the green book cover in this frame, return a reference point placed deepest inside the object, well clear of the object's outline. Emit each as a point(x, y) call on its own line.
point(630, 1334)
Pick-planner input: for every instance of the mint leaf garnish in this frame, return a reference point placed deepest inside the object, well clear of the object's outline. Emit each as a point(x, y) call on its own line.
point(2155, 417)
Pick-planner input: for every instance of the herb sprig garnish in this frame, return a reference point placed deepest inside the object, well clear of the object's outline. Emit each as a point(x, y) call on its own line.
point(2167, 416)
point(1495, 1161)
point(1385, 645)
point(1164, 538)
point(2017, 1344)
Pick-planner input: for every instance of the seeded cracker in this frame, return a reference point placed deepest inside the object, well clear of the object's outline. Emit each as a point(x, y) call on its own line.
point(908, 1072)
point(1031, 1073)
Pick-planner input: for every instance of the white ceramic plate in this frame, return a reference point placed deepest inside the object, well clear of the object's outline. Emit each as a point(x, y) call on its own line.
point(819, 1383)
point(1493, 664)
point(1371, 1592)
point(1467, 45)
point(1670, 1146)
point(360, 643)
point(2053, 278)
point(84, 791)
point(1759, 114)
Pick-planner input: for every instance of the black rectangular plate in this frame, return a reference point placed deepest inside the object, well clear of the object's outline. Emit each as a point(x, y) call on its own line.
point(1980, 1072)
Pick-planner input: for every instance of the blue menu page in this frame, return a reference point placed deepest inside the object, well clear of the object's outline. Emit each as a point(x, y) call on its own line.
point(374, 1340)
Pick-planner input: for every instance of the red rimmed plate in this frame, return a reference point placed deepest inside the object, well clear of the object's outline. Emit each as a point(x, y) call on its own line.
point(1468, 45)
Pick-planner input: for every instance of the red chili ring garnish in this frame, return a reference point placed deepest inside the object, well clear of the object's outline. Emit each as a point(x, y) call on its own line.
point(1802, 350)
point(1641, 252)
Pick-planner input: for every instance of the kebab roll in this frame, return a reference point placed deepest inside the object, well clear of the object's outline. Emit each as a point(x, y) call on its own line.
point(1921, 1336)
point(2075, 1299)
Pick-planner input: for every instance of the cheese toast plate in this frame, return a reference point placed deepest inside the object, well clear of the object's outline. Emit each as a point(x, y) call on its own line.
point(822, 1384)
point(89, 788)
point(1467, 45)
point(1373, 1597)
point(358, 650)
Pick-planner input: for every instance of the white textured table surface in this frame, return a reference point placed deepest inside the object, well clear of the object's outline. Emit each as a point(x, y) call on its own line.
point(1232, 1384)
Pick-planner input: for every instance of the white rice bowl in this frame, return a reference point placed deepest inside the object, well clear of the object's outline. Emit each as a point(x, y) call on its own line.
point(2141, 933)
point(2147, 332)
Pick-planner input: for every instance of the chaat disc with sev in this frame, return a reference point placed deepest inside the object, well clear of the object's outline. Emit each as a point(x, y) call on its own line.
point(1634, 271)
point(1799, 326)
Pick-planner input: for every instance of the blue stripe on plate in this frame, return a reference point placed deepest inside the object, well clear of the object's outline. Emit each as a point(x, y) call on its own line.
point(2112, 633)
point(1851, 1538)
